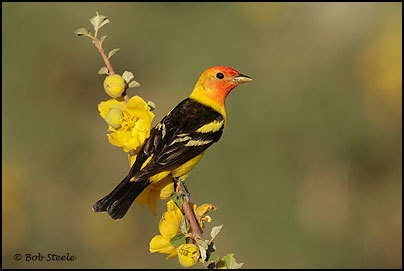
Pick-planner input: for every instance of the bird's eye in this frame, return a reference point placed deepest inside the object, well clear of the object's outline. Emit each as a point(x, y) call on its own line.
point(220, 75)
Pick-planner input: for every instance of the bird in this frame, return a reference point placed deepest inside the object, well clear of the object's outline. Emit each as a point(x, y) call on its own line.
point(178, 141)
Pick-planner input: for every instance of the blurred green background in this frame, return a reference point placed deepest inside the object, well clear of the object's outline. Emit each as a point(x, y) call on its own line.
point(308, 171)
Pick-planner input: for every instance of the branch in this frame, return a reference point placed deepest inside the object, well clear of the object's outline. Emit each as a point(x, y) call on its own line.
point(102, 53)
point(190, 215)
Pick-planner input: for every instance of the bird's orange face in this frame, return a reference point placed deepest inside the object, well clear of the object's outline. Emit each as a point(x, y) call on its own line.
point(218, 81)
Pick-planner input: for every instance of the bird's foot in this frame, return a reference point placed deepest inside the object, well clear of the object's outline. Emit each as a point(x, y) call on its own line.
point(185, 193)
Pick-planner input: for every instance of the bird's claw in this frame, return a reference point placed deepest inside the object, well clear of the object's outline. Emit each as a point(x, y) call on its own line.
point(185, 193)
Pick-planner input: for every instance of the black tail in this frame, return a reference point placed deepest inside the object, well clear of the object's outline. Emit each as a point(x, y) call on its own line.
point(121, 198)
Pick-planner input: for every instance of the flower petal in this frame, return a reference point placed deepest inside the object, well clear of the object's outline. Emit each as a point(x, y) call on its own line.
point(131, 142)
point(171, 206)
point(173, 254)
point(169, 225)
point(152, 200)
point(136, 106)
point(104, 106)
point(142, 199)
point(162, 245)
point(204, 208)
point(168, 188)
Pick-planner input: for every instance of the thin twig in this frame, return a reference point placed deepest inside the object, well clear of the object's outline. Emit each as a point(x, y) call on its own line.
point(190, 215)
point(125, 97)
point(104, 56)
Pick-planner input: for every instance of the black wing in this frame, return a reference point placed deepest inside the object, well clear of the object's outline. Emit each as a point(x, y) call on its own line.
point(176, 139)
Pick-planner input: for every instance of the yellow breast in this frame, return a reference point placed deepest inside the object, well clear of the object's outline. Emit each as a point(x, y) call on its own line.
point(182, 171)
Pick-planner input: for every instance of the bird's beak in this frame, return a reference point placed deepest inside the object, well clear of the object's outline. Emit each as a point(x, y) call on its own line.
point(241, 78)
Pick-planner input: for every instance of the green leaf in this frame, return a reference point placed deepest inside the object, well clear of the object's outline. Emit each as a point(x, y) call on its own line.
point(230, 262)
point(213, 257)
point(134, 84)
point(203, 246)
point(99, 21)
point(234, 265)
point(82, 32)
point(202, 243)
point(184, 224)
point(215, 231)
point(101, 40)
point(177, 199)
point(202, 252)
point(178, 240)
point(107, 21)
point(103, 70)
point(113, 52)
point(127, 76)
point(151, 105)
point(227, 259)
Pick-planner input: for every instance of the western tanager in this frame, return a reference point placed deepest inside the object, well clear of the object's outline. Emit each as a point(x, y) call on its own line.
point(178, 141)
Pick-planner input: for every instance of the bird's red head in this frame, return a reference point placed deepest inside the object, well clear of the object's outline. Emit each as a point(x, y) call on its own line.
point(216, 83)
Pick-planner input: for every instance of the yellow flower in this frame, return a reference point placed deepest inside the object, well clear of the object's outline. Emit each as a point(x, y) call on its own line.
point(134, 124)
point(188, 255)
point(169, 226)
point(114, 85)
